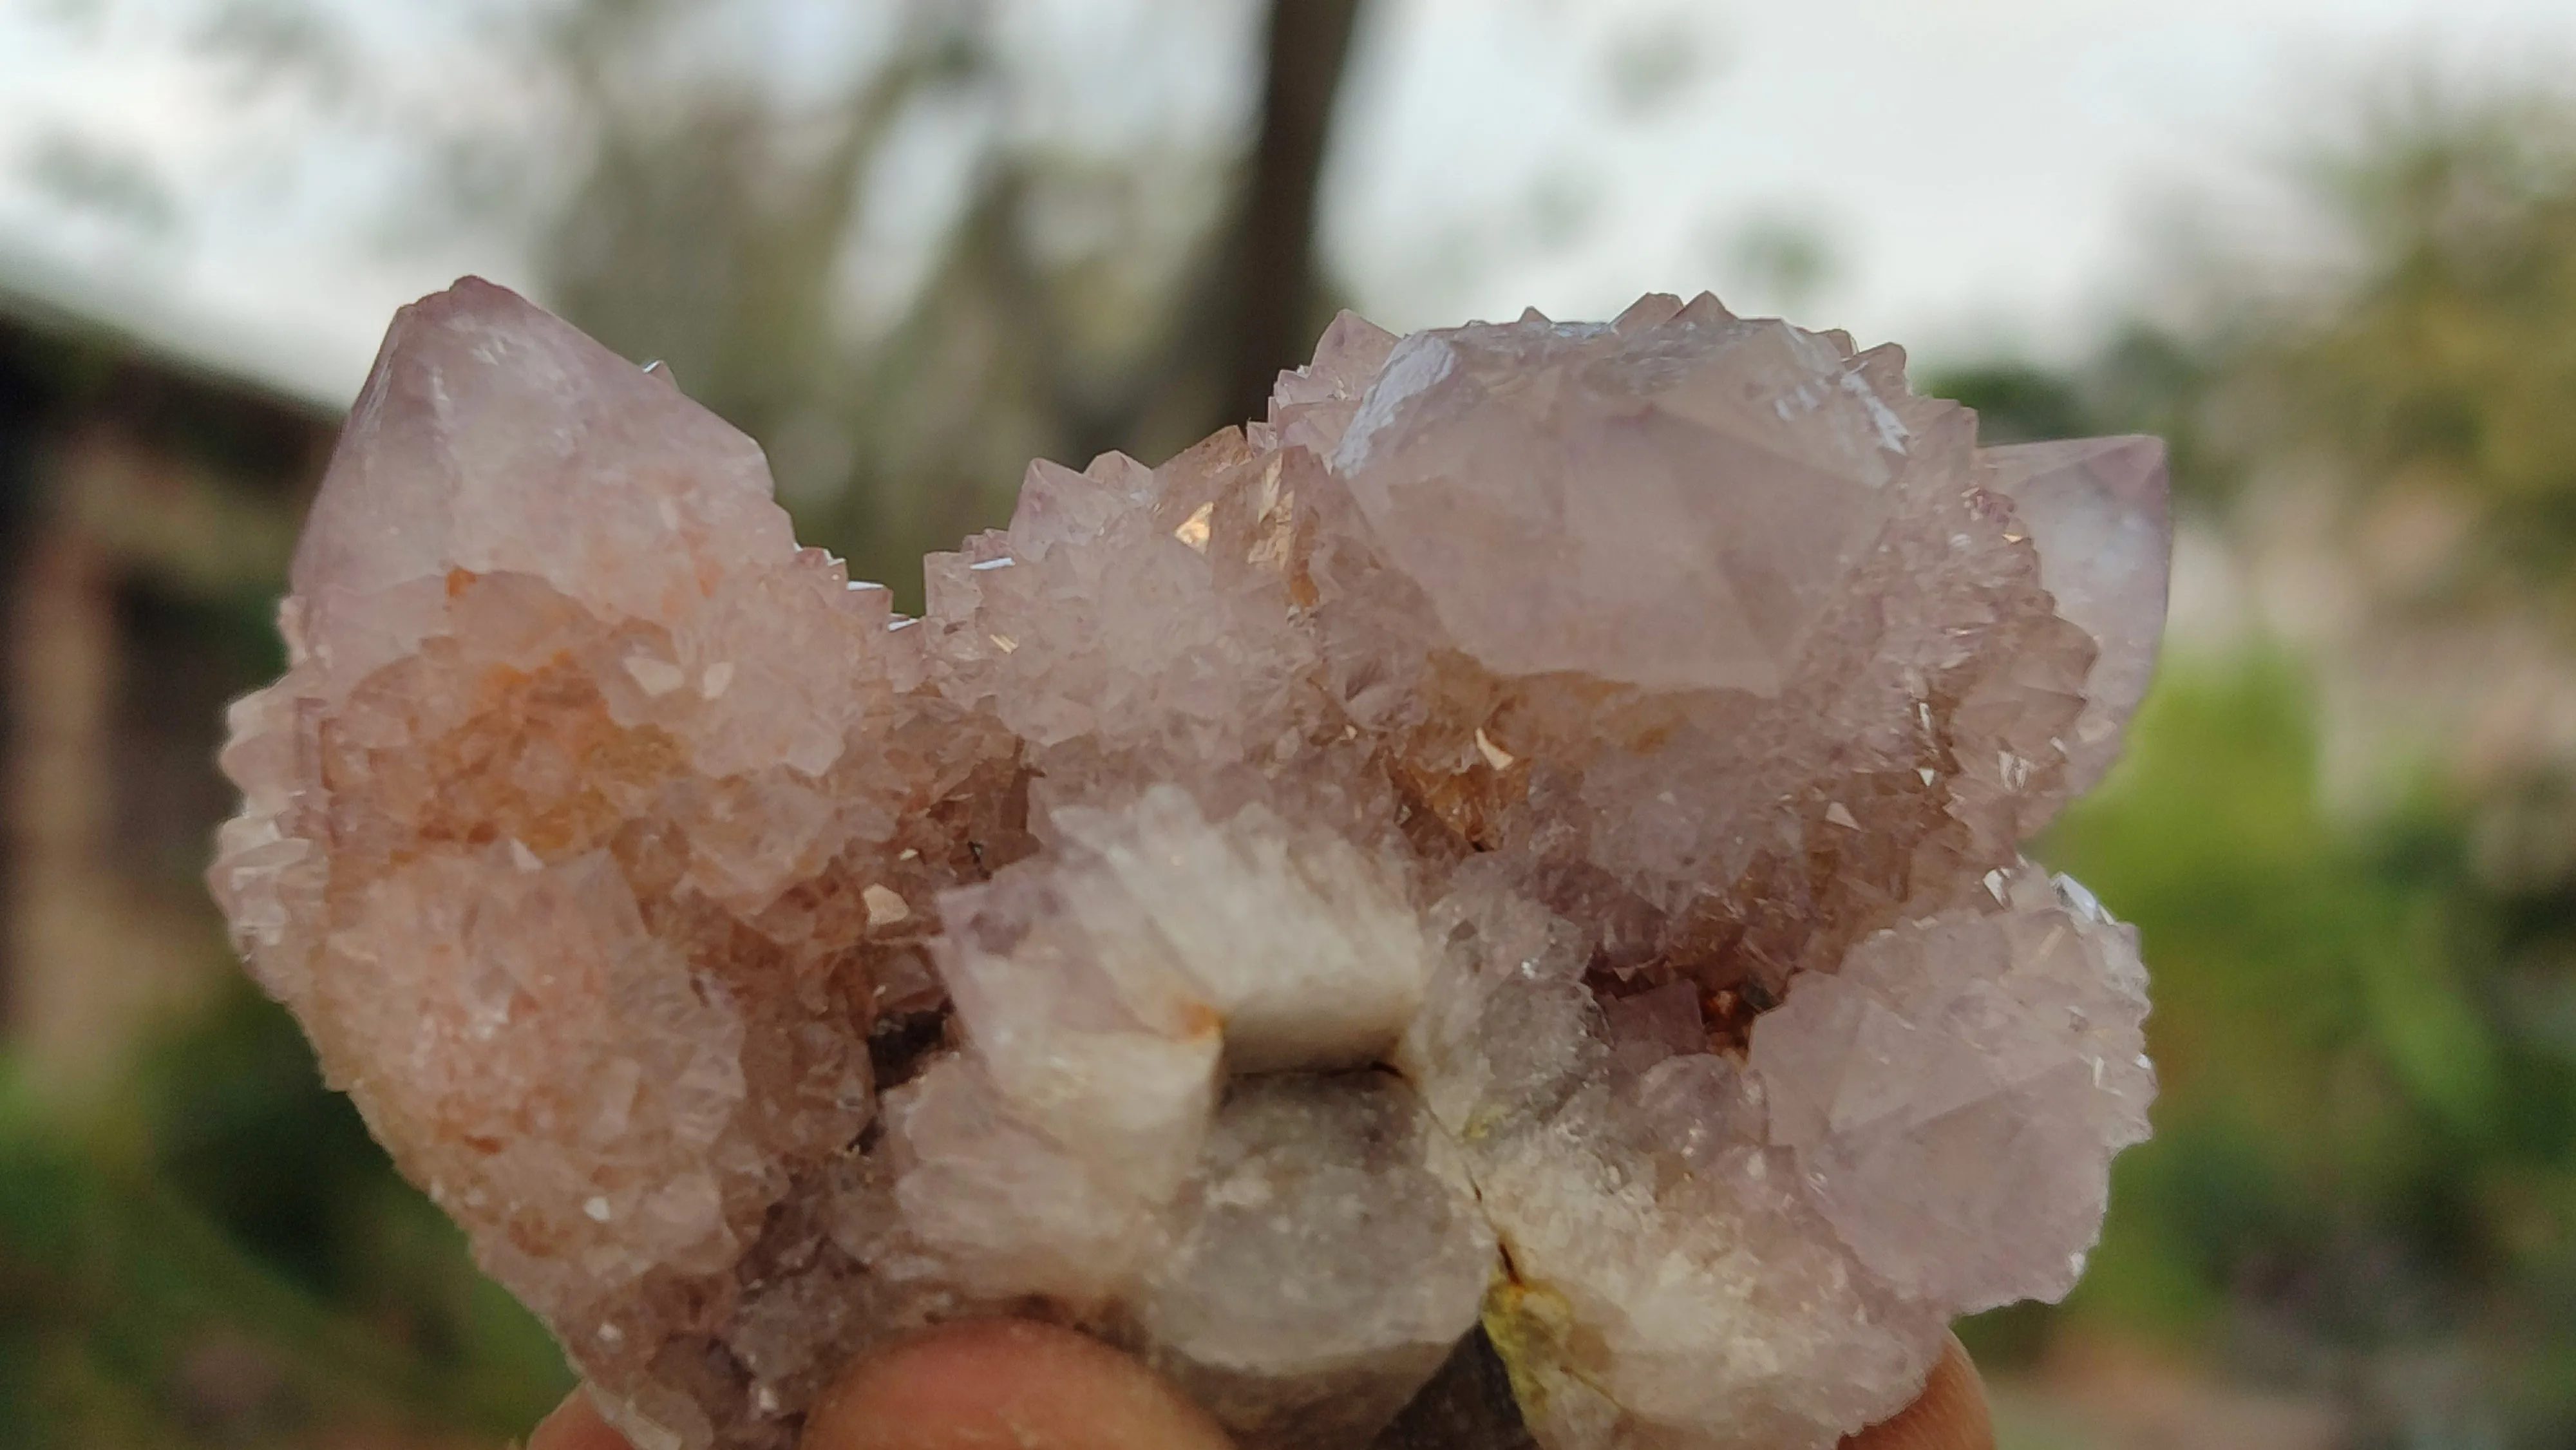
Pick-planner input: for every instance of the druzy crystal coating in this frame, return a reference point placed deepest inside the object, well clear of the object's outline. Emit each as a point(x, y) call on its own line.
point(1482, 907)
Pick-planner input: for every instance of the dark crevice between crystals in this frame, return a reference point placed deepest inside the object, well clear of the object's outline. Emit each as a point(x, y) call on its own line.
point(1468, 1405)
point(902, 1045)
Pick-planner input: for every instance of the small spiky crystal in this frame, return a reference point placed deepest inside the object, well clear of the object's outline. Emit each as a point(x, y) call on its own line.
point(1482, 907)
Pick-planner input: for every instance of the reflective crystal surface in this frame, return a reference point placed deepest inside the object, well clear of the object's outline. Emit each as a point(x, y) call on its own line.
point(1483, 907)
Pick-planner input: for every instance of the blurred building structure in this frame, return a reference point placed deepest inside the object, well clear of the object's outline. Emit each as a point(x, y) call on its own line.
point(148, 503)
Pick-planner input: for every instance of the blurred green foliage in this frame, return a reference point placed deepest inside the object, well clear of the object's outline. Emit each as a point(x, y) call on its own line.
point(2366, 1143)
point(2450, 365)
point(221, 1257)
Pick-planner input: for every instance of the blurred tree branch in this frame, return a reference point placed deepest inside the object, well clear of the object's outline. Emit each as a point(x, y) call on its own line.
point(1308, 47)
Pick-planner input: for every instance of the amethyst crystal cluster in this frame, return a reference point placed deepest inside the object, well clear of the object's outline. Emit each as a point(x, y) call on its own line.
point(1483, 906)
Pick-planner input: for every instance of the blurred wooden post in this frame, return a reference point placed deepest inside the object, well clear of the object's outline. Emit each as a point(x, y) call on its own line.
point(101, 949)
point(69, 994)
point(1309, 40)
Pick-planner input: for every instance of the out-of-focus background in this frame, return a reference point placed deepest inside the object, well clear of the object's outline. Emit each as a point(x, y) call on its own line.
point(2327, 247)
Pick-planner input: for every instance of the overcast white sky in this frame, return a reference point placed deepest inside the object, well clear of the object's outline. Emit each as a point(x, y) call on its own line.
point(1981, 174)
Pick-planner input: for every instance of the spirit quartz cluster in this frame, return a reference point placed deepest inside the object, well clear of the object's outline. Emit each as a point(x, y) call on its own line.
point(1482, 908)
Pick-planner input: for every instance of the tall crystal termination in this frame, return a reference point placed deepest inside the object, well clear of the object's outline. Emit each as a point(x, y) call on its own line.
point(1484, 906)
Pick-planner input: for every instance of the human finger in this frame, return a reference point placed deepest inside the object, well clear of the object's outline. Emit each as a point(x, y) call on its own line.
point(1006, 1384)
point(575, 1425)
point(1950, 1414)
point(1013, 1383)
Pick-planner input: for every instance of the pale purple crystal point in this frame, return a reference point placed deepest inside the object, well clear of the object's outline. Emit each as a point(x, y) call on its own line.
point(493, 437)
point(1481, 458)
point(2097, 508)
point(1505, 870)
point(1947, 1092)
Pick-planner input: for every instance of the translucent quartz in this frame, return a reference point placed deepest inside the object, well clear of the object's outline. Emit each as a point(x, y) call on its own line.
point(1484, 906)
